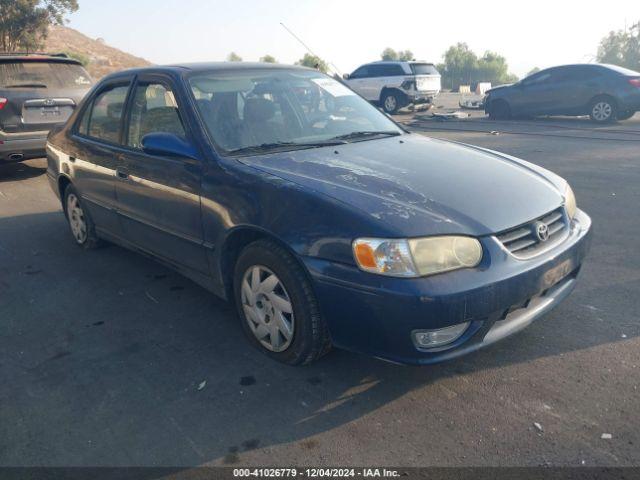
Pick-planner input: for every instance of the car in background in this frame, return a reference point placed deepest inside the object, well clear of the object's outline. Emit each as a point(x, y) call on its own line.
point(604, 92)
point(394, 85)
point(321, 218)
point(37, 92)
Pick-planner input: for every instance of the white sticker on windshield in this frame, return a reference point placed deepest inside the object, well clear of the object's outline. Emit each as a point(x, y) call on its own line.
point(333, 87)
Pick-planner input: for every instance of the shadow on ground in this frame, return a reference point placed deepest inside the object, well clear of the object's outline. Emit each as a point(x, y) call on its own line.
point(12, 172)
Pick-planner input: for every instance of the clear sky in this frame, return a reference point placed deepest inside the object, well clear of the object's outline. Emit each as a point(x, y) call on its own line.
point(351, 32)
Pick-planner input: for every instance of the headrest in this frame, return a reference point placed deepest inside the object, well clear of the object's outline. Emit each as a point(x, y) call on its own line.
point(259, 109)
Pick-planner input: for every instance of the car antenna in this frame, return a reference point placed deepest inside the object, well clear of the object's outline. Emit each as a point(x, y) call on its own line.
point(336, 69)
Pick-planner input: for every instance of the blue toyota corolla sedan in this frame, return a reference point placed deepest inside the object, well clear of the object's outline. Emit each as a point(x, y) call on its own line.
point(280, 189)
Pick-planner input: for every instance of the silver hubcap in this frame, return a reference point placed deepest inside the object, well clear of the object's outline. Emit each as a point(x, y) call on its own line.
point(602, 111)
point(390, 103)
point(267, 308)
point(76, 219)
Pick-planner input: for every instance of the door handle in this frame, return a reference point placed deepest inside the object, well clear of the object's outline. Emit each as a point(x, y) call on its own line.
point(122, 174)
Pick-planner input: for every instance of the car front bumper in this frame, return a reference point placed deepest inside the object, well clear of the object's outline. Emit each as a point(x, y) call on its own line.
point(22, 146)
point(376, 315)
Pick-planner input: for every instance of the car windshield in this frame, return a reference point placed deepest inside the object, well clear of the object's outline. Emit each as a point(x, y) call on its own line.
point(35, 74)
point(423, 69)
point(255, 110)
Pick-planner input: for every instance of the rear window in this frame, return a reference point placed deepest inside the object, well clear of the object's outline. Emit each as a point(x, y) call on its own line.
point(423, 69)
point(43, 75)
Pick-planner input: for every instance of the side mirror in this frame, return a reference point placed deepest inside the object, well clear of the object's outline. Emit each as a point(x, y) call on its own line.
point(345, 76)
point(168, 144)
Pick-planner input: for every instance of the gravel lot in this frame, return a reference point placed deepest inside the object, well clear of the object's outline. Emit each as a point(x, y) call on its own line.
point(102, 352)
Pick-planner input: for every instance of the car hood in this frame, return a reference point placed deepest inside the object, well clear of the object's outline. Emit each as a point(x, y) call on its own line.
point(500, 88)
point(415, 185)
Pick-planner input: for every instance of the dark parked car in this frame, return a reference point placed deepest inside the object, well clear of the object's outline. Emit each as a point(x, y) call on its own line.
point(604, 92)
point(324, 221)
point(37, 92)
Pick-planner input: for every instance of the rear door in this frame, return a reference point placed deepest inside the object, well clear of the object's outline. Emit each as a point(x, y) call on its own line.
point(39, 93)
point(159, 196)
point(384, 75)
point(93, 156)
point(571, 89)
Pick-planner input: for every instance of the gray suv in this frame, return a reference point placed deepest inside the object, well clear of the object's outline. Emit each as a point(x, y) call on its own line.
point(37, 92)
point(604, 92)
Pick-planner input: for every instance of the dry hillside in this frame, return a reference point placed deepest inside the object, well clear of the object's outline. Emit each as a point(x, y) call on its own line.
point(102, 58)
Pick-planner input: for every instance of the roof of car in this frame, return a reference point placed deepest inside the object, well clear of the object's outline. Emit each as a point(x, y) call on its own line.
point(205, 67)
point(37, 57)
point(394, 62)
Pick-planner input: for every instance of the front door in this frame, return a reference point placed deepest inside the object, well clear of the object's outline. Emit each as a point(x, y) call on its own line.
point(159, 196)
point(535, 95)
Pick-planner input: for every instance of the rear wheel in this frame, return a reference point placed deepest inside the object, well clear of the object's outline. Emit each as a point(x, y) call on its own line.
point(390, 102)
point(80, 222)
point(602, 110)
point(276, 305)
point(626, 115)
point(499, 110)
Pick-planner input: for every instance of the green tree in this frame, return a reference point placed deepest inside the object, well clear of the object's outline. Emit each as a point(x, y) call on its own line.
point(622, 48)
point(312, 61)
point(462, 66)
point(459, 64)
point(234, 57)
point(405, 55)
point(268, 59)
point(493, 68)
point(389, 54)
point(24, 24)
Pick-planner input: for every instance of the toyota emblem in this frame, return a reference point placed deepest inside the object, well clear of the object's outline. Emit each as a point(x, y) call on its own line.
point(542, 231)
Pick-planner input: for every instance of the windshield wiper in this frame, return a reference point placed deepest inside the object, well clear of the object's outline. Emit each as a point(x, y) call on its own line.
point(264, 147)
point(26, 85)
point(366, 133)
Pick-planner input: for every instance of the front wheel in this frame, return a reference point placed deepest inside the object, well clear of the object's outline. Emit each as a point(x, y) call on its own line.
point(602, 110)
point(499, 110)
point(276, 305)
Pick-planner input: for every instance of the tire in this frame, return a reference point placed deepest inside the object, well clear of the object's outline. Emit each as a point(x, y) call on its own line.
point(298, 337)
point(390, 102)
point(82, 227)
point(625, 115)
point(499, 110)
point(603, 109)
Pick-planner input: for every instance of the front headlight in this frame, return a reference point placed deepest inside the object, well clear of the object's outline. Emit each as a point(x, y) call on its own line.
point(570, 202)
point(416, 257)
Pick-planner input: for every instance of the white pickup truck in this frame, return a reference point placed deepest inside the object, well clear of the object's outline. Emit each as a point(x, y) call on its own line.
point(394, 85)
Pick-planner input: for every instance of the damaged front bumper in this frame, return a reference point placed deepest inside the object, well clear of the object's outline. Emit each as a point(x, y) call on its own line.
point(376, 315)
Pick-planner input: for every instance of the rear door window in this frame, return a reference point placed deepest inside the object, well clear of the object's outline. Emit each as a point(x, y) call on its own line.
point(103, 119)
point(387, 70)
point(154, 109)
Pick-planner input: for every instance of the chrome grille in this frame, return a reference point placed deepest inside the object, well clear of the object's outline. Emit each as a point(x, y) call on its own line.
point(524, 242)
